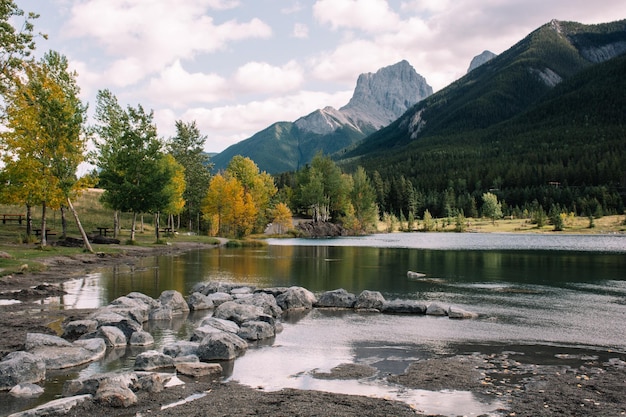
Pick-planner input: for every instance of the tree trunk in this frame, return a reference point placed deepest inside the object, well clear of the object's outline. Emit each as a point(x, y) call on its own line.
point(141, 230)
point(178, 225)
point(29, 220)
point(132, 227)
point(63, 223)
point(156, 226)
point(116, 223)
point(43, 224)
point(80, 226)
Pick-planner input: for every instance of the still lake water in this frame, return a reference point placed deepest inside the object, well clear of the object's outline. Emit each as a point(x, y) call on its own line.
point(562, 291)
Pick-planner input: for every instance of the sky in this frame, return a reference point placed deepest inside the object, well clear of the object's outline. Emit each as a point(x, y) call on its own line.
point(237, 66)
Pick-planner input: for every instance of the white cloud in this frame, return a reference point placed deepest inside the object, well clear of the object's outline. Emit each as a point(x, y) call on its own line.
point(366, 15)
point(178, 88)
point(222, 4)
point(300, 31)
point(261, 77)
point(156, 33)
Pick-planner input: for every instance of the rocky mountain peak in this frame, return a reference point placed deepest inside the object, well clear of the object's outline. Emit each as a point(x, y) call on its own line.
point(384, 96)
point(481, 59)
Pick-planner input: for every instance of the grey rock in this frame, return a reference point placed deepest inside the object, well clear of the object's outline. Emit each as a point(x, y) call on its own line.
point(339, 298)
point(112, 336)
point(273, 291)
point(174, 300)
point(403, 307)
point(91, 383)
point(221, 324)
point(459, 313)
point(60, 354)
point(161, 313)
point(146, 299)
point(241, 313)
point(55, 407)
point(115, 395)
point(266, 301)
point(135, 308)
point(181, 348)
point(149, 382)
point(199, 369)
point(296, 298)
point(26, 390)
point(141, 339)
point(75, 329)
point(370, 300)
point(219, 298)
point(435, 309)
point(221, 346)
point(19, 368)
point(256, 330)
point(151, 360)
point(199, 301)
point(109, 318)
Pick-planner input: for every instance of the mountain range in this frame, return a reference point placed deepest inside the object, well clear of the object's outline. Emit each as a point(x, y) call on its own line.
point(379, 98)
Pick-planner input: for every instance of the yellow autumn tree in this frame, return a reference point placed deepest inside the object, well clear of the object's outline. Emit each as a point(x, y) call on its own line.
point(282, 218)
point(174, 189)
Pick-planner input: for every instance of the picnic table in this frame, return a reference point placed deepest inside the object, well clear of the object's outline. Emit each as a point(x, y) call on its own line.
point(48, 232)
point(103, 231)
point(12, 217)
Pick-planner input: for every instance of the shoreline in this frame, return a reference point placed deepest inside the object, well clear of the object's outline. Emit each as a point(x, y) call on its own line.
point(580, 384)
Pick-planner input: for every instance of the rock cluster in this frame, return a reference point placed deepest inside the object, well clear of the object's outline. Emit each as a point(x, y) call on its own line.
point(242, 315)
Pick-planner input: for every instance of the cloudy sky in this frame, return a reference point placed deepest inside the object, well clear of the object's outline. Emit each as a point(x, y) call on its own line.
point(237, 66)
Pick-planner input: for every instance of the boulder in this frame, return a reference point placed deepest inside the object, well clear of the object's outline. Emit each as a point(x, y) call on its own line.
point(91, 383)
point(58, 353)
point(296, 298)
point(256, 330)
point(181, 348)
point(219, 297)
point(146, 299)
point(115, 395)
point(151, 360)
point(403, 307)
point(221, 324)
point(149, 382)
point(110, 318)
point(369, 300)
point(221, 346)
point(274, 291)
point(20, 368)
point(141, 339)
point(26, 390)
point(161, 313)
point(219, 286)
point(339, 298)
point(266, 301)
point(112, 336)
point(240, 313)
point(241, 292)
point(75, 329)
point(199, 369)
point(199, 301)
point(435, 309)
point(459, 313)
point(174, 300)
point(201, 332)
point(134, 308)
point(56, 407)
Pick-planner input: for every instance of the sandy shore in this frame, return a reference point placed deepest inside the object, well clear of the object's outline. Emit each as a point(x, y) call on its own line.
point(579, 382)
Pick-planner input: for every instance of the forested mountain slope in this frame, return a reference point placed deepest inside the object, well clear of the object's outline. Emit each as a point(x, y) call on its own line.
point(545, 121)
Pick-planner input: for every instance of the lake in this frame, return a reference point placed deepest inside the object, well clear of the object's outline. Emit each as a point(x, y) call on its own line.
point(529, 290)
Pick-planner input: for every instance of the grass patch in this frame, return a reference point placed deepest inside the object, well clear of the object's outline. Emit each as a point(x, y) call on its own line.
point(246, 243)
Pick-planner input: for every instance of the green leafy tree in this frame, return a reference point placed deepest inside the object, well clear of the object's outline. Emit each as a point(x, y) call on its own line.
point(44, 143)
point(17, 41)
point(133, 174)
point(429, 223)
point(187, 148)
point(491, 207)
point(363, 199)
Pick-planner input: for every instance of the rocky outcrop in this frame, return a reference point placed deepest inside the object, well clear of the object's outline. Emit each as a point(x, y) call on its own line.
point(221, 346)
point(370, 300)
point(481, 59)
point(296, 298)
point(58, 353)
point(320, 229)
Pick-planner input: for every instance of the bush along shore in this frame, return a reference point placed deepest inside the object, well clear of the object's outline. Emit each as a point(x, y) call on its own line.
point(241, 314)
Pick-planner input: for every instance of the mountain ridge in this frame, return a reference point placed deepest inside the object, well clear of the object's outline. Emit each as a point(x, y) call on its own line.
point(378, 99)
